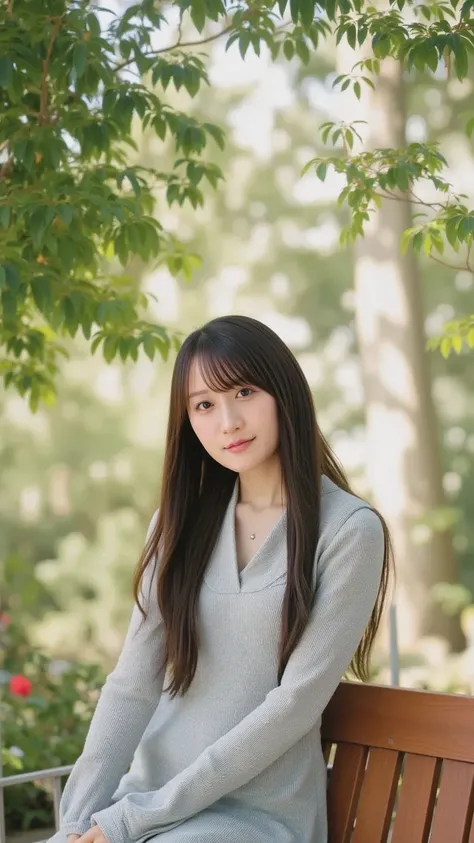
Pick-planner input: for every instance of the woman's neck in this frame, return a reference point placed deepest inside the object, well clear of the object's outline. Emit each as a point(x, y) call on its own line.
point(262, 487)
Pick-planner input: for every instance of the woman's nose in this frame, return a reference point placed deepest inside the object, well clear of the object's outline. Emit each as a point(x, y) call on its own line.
point(230, 421)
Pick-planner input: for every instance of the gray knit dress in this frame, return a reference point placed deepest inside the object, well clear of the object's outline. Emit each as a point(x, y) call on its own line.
point(238, 759)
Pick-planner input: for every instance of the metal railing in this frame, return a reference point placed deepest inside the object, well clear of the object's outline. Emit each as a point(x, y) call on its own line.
point(55, 774)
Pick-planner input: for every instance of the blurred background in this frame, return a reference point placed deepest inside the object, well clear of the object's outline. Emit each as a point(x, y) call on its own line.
point(79, 480)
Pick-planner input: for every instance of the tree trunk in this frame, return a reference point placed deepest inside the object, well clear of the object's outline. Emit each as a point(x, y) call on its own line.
point(405, 470)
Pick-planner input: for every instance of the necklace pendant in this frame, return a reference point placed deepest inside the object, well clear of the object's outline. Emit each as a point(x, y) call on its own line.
point(252, 536)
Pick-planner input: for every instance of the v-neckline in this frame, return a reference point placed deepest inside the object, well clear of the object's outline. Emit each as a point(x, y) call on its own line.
point(240, 573)
point(267, 567)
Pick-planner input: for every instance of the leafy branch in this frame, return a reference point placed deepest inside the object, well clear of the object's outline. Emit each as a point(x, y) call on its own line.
point(391, 174)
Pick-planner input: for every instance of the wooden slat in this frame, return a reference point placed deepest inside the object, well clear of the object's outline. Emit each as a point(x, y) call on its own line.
point(377, 796)
point(416, 800)
point(453, 813)
point(418, 722)
point(344, 788)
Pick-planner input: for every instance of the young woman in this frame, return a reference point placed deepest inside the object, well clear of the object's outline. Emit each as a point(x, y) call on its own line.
point(263, 578)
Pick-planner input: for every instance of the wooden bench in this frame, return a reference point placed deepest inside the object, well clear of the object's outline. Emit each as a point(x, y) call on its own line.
point(403, 770)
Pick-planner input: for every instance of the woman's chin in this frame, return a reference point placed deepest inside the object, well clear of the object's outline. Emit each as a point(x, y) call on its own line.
point(243, 462)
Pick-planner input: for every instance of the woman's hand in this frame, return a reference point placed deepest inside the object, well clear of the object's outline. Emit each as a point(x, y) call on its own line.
point(94, 835)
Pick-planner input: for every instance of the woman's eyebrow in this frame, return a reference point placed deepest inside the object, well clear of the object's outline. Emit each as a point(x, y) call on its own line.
point(200, 392)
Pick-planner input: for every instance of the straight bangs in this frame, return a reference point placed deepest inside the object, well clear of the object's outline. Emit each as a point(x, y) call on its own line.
point(225, 365)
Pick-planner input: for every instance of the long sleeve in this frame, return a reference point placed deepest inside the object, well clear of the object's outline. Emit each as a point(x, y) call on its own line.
point(126, 704)
point(348, 577)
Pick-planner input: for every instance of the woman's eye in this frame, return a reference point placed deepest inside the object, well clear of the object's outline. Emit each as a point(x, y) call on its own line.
point(247, 390)
point(200, 406)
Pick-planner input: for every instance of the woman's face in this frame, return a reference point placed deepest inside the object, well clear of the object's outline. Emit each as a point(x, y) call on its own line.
point(243, 414)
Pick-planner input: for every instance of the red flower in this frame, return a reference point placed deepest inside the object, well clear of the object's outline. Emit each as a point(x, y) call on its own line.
point(20, 686)
point(4, 619)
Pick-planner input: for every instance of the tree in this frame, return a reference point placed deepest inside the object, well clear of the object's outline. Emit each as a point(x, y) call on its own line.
point(72, 210)
point(71, 89)
point(402, 428)
point(439, 44)
point(385, 179)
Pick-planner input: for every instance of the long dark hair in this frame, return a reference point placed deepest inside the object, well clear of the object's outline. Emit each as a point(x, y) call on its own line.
point(196, 491)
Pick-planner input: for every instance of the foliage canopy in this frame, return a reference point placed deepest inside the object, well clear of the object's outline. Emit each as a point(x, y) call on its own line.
point(77, 81)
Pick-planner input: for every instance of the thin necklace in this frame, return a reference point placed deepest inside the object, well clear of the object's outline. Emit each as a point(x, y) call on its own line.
point(254, 535)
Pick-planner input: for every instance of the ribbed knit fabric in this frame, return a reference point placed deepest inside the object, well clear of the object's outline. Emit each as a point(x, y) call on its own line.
point(238, 759)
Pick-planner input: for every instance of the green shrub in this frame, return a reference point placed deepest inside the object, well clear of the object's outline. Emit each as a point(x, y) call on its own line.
point(46, 708)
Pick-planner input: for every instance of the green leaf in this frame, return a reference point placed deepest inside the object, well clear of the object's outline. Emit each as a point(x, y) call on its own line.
point(452, 232)
point(288, 49)
point(5, 216)
point(321, 171)
point(110, 348)
point(470, 338)
point(427, 244)
point(125, 47)
point(306, 13)
point(351, 36)
point(9, 303)
point(294, 10)
point(215, 132)
point(96, 342)
point(93, 25)
point(3, 276)
point(466, 228)
point(445, 347)
point(461, 61)
point(244, 43)
point(12, 278)
point(127, 17)
point(381, 46)
point(66, 213)
point(149, 346)
point(42, 293)
point(215, 8)
point(302, 51)
point(198, 14)
point(123, 346)
point(417, 241)
point(163, 347)
point(130, 175)
point(108, 100)
point(79, 58)
point(6, 71)
point(457, 344)
point(192, 81)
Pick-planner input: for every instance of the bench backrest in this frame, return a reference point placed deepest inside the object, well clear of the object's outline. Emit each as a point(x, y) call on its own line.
point(403, 770)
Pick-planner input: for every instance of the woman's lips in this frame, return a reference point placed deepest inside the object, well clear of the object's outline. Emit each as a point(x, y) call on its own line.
point(239, 446)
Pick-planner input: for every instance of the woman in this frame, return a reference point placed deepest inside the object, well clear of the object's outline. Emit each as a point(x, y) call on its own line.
point(263, 578)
